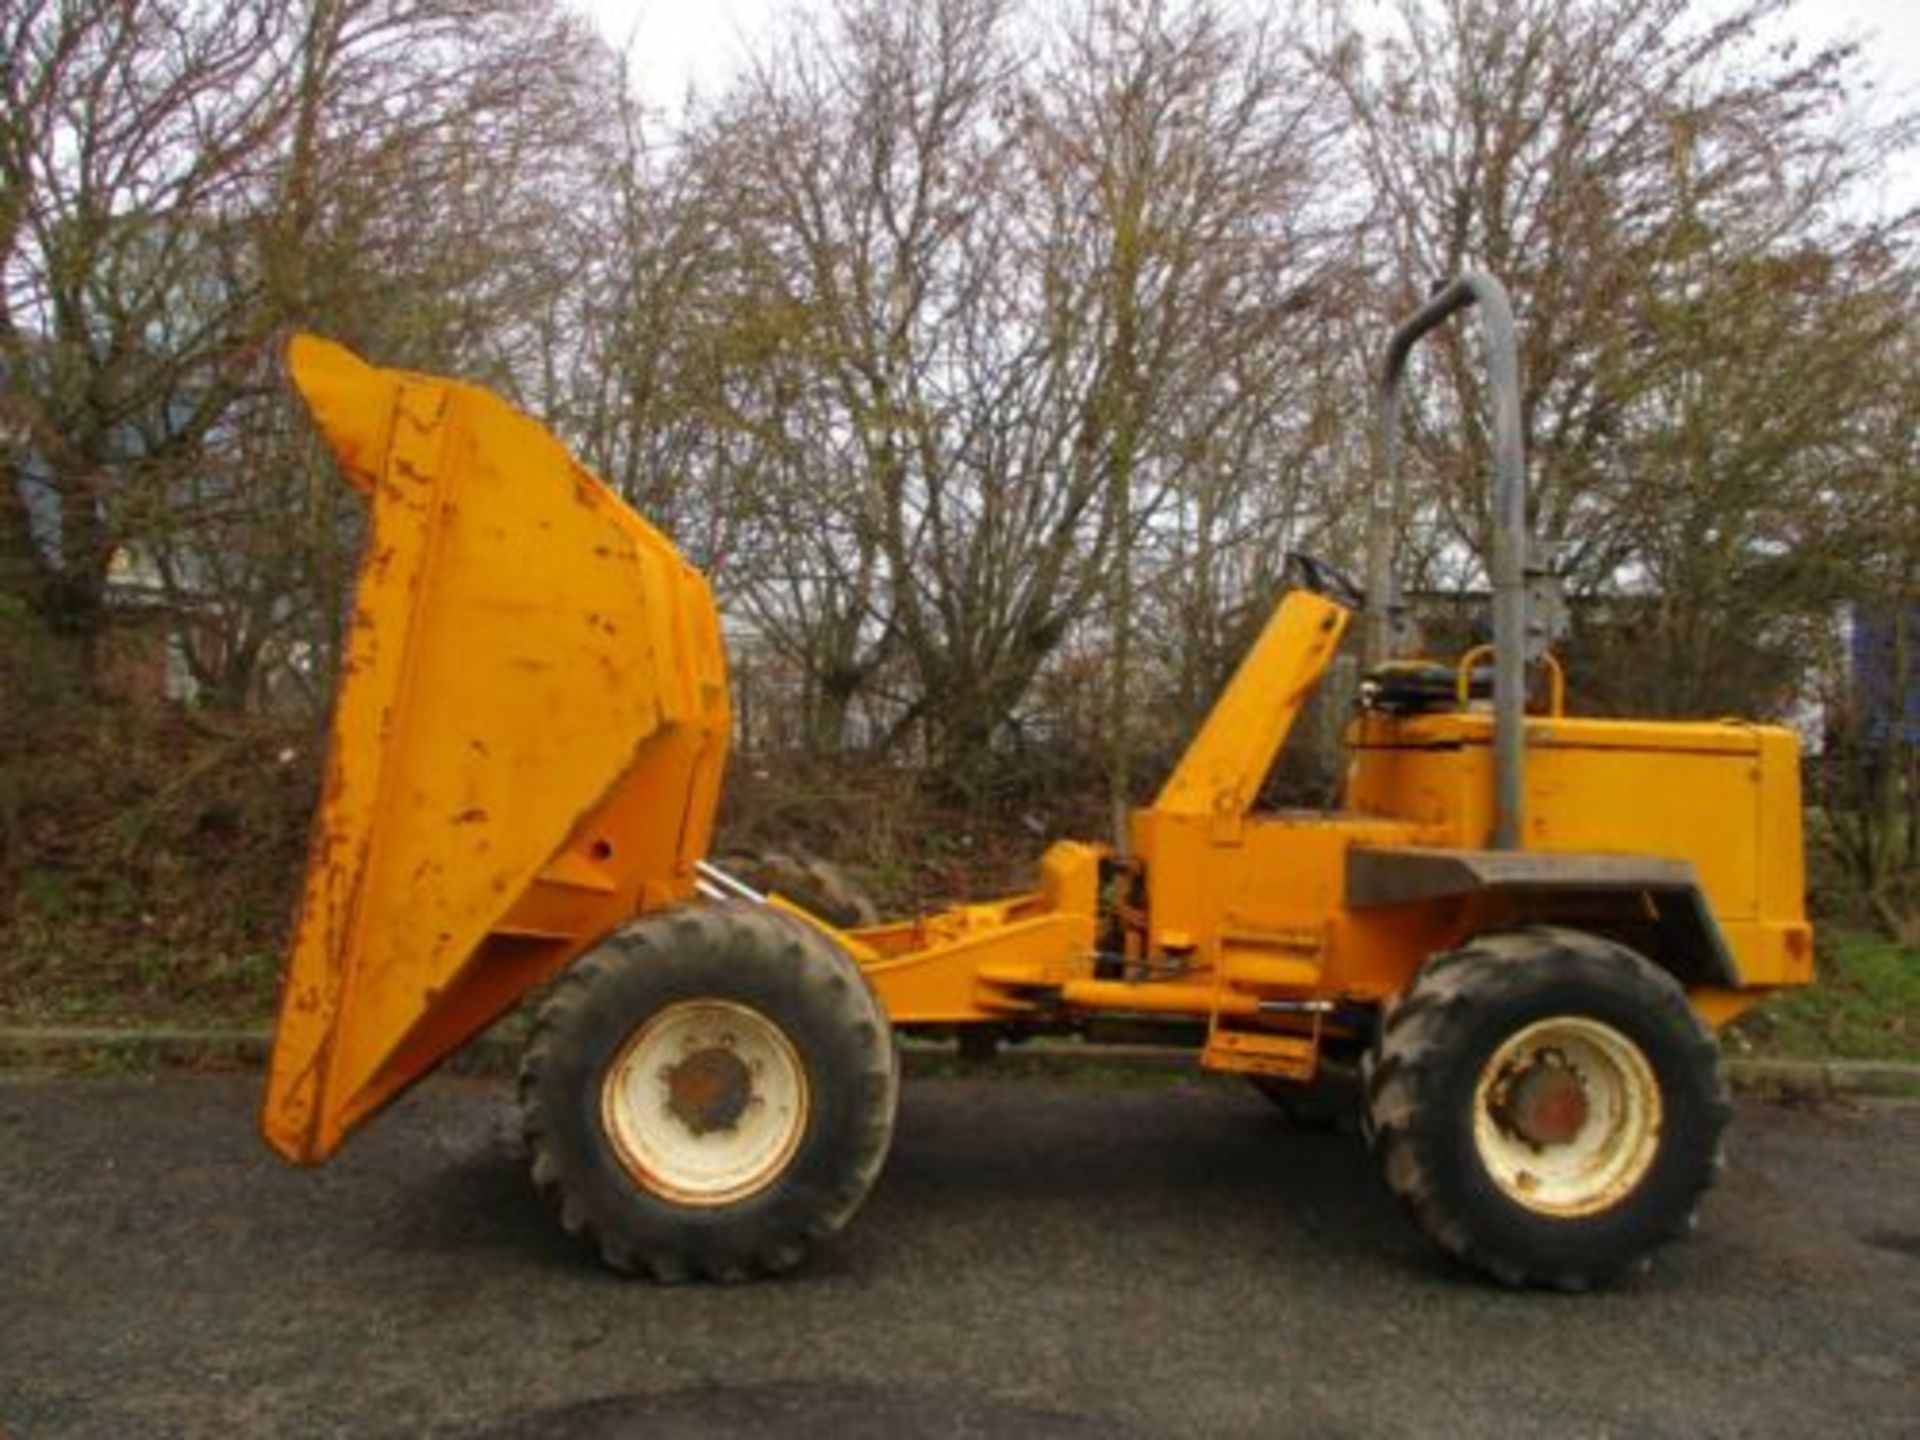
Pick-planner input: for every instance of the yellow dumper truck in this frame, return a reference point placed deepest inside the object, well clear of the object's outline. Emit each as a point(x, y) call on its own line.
point(1520, 928)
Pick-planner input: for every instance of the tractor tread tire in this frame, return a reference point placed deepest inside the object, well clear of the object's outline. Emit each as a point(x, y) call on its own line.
point(1429, 1052)
point(793, 976)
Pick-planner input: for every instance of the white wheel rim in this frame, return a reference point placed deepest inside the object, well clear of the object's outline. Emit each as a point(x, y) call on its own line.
point(705, 1103)
point(1566, 1116)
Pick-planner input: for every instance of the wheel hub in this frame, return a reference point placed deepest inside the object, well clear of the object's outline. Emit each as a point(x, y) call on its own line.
point(1543, 1103)
point(1567, 1116)
point(709, 1090)
point(706, 1102)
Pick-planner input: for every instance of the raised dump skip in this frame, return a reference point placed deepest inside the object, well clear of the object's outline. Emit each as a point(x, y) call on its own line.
point(527, 740)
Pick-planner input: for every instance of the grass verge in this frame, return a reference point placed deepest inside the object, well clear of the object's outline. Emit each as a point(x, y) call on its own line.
point(1865, 1005)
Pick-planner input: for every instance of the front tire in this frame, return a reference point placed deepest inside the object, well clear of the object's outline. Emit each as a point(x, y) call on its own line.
point(708, 1094)
point(1547, 1105)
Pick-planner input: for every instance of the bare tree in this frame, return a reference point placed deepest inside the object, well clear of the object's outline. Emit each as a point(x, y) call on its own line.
point(183, 185)
point(1665, 189)
point(1187, 242)
point(131, 136)
point(862, 174)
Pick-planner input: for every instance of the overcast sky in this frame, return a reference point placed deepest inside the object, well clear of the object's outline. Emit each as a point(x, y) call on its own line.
point(698, 44)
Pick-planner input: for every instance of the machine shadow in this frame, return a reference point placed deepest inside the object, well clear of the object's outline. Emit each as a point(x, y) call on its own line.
point(1194, 1172)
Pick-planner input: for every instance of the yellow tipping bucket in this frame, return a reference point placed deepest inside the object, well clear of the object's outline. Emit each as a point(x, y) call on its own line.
point(527, 741)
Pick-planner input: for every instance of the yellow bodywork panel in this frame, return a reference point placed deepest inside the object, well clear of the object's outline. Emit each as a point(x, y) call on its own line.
point(1227, 760)
point(993, 960)
point(1722, 796)
point(527, 742)
point(1266, 908)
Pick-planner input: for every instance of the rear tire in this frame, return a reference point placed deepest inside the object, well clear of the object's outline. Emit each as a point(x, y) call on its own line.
point(1547, 1105)
point(708, 1094)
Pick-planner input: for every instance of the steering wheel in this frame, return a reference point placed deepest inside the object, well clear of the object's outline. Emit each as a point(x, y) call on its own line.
point(1325, 579)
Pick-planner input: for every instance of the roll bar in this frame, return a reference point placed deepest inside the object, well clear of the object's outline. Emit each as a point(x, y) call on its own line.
point(1509, 559)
